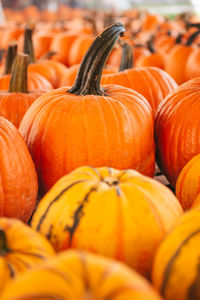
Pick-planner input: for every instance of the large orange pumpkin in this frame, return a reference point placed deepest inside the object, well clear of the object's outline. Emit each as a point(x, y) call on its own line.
point(21, 248)
point(18, 185)
point(90, 207)
point(15, 102)
point(77, 275)
point(88, 124)
point(177, 129)
point(176, 267)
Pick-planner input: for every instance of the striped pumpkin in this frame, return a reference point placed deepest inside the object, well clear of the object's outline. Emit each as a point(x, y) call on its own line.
point(80, 276)
point(20, 249)
point(176, 270)
point(106, 211)
point(188, 183)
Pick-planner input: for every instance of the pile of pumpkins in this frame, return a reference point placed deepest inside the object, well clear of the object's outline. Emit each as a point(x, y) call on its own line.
point(81, 217)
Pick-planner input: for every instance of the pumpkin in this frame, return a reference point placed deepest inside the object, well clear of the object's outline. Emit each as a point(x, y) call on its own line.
point(188, 185)
point(21, 248)
point(18, 186)
point(42, 41)
point(154, 84)
point(78, 275)
point(193, 65)
point(90, 206)
point(177, 59)
point(78, 49)
point(176, 266)
point(177, 129)
point(63, 120)
point(15, 102)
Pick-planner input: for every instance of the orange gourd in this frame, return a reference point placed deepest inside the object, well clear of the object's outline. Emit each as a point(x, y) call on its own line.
point(89, 207)
point(18, 185)
point(122, 119)
point(81, 276)
point(21, 248)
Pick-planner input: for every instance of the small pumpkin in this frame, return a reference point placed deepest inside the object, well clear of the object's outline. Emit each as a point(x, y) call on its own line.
point(89, 207)
point(63, 121)
point(176, 267)
point(21, 248)
point(177, 129)
point(188, 184)
point(15, 102)
point(18, 185)
point(78, 275)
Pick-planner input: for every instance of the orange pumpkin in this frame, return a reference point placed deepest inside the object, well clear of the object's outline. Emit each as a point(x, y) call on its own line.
point(89, 207)
point(21, 248)
point(153, 83)
point(177, 129)
point(188, 183)
point(18, 185)
point(79, 48)
point(176, 265)
point(78, 275)
point(193, 65)
point(15, 102)
point(122, 118)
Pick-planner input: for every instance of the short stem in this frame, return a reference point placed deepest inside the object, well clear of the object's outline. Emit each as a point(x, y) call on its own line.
point(192, 38)
point(18, 81)
point(3, 244)
point(10, 57)
point(150, 46)
point(28, 43)
point(48, 55)
point(179, 38)
point(189, 25)
point(127, 57)
point(89, 75)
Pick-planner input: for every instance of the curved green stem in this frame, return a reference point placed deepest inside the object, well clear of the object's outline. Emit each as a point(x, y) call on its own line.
point(90, 72)
point(18, 81)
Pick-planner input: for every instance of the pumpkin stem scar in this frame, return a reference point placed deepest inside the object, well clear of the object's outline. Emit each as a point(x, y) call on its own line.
point(127, 57)
point(78, 214)
point(18, 80)
point(3, 244)
point(10, 57)
point(89, 75)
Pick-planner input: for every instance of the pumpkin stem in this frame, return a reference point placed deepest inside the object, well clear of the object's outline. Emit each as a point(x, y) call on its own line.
point(150, 46)
point(89, 75)
point(28, 43)
point(127, 57)
point(192, 38)
point(48, 55)
point(18, 81)
point(3, 243)
point(10, 57)
point(189, 25)
point(178, 39)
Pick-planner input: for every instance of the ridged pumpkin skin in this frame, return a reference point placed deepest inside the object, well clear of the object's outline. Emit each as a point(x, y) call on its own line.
point(36, 82)
point(177, 129)
point(18, 184)
point(90, 207)
point(65, 131)
point(176, 269)
point(153, 83)
point(21, 248)
point(76, 275)
point(188, 182)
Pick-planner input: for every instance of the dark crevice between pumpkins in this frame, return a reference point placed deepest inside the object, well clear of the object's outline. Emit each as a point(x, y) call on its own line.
point(18, 80)
point(89, 75)
point(10, 57)
point(4, 249)
point(127, 57)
